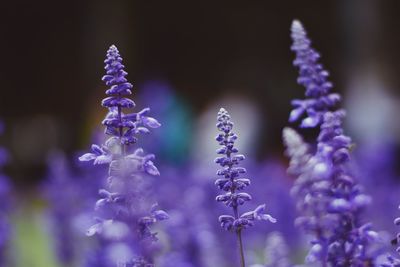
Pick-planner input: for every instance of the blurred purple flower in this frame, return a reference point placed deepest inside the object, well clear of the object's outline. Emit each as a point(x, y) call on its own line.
point(391, 262)
point(191, 234)
point(70, 195)
point(277, 251)
point(125, 216)
point(330, 200)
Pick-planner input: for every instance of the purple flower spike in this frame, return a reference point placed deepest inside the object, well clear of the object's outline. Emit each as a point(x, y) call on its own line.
point(117, 123)
point(125, 215)
point(330, 201)
point(313, 77)
point(277, 251)
point(232, 184)
point(115, 74)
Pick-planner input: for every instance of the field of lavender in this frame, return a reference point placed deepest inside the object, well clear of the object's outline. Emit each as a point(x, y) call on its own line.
point(155, 183)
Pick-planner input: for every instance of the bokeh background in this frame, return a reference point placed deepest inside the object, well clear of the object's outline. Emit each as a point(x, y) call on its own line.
point(186, 59)
point(53, 60)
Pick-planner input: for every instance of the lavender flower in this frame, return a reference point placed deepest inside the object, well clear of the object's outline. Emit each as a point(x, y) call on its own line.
point(392, 261)
point(297, 150)
point(277, 251)
point(330, 199)
point(308, 189)
point(61, 192)
point(70, 196)
point(125, 216)
point(232, 184)
point(313, 77)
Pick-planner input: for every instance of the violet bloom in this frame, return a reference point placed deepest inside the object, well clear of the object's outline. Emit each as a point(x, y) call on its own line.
point(330, 199)
point(70, 196)
point(125, 216)
point(62, 192)
point(308, 190)
point(392, 261)
point(277, 251)
point(313, 77)
point(232, 184)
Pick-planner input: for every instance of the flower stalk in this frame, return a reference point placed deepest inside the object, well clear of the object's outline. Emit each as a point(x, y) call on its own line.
point(329, 198)
point(233, 185)
point(125, 214)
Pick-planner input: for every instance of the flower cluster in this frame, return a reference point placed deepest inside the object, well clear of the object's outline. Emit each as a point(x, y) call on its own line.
point(125, 216)
point(313, 77)
point(277, 251)
point(392, 261)
point(297, 150)
point(230, 181)
point(119, 209)
point(331, 201)
point(62, 192)
point(232, 184)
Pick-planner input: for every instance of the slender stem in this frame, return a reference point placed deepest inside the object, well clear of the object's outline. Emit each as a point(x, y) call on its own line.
point(241, 252)
point(239, 239)
point(236, 212)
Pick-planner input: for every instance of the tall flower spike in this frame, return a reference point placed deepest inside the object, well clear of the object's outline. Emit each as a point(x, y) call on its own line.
point(313, 77)
point(297, 150)
point(232, 184)
point(125, 216)
point(115, 77)
point(277, 251)
point(330, 200)
point(62, 192)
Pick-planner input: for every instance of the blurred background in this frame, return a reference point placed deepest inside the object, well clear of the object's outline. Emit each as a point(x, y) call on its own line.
point(53, 55)
point(186, 59)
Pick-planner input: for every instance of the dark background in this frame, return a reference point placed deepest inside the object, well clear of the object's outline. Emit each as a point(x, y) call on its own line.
point(53, 51)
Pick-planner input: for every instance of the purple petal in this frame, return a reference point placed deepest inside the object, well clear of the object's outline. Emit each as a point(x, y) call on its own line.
point(150, 122)
point(87, 157)
point(151, 169)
